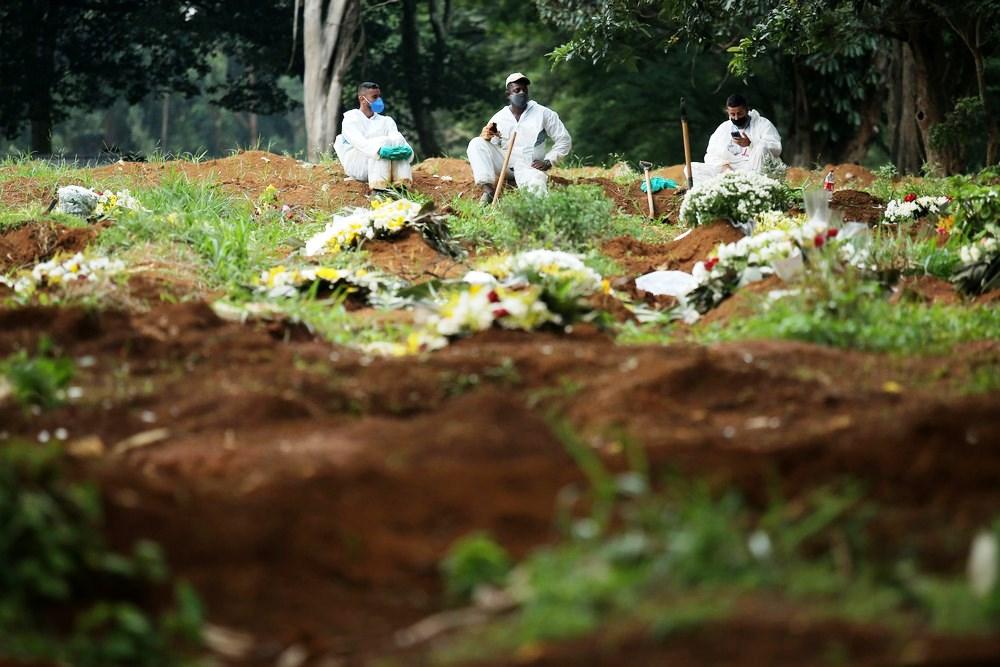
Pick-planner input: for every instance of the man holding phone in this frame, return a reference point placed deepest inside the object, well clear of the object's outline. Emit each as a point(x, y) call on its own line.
point(745, 142)
point(529, 160)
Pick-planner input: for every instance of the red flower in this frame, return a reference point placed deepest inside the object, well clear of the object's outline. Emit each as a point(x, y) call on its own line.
point(910, 197)
point(710, 263)
point(493, 297)
point(500, 312)
point(830, 233)
point(819, 240)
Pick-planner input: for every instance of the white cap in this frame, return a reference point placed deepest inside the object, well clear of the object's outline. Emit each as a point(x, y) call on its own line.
point(516, 76)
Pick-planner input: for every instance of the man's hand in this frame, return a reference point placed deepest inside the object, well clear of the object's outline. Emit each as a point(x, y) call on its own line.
point(541, 165)
point(742, 140)
point(489, 131)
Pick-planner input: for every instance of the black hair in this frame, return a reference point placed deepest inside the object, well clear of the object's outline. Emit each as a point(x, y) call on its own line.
point(736, 100)
point(366, 86)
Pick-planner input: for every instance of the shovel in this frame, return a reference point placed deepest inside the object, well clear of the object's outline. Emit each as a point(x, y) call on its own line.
point(646, 166)
point(503, 170)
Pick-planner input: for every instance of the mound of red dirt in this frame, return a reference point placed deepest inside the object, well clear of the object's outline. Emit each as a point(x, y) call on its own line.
point(926, 289)
point(858, 206)
point(409, 256)
point(638, 257)
point(34, 241)
point(741, 304)
point(326, 486)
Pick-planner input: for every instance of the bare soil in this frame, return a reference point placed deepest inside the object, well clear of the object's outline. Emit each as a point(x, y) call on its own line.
point(34, 241)
point(309, 491)
point(638, 257)
point(858, 206)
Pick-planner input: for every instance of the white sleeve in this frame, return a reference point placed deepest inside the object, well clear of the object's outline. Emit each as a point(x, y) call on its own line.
point(768, 138)
point(354, 131)
point(717, 153)
point(562, 143)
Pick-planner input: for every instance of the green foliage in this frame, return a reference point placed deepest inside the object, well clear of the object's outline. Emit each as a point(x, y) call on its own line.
point(569, 218)
point(856, 314)
point(974, 208)
point(39, 379)
point(961, 126)
point(474, 561)
point(54, 557)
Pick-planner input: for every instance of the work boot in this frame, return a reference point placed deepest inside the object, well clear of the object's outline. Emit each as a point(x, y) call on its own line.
point(486, 198)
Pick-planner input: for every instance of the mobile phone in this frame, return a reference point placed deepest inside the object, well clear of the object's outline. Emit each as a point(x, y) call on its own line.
point(735, 134)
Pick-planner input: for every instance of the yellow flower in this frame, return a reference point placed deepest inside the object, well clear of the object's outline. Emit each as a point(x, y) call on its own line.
point(606, 286)
point(328, 274)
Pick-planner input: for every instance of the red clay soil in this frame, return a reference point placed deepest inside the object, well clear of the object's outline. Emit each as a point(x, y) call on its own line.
point(638, 257)
point(760, 632)
point(844, 175)
point(34, 241)
point(925, 289)
point(741, 304)
point(409, 256)
point(858, 206)
point(310, 492)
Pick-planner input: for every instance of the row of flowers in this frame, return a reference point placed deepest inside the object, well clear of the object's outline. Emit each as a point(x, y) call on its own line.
point(62, 272)
point(735, 196)
point(382, 220)
point(911, 207)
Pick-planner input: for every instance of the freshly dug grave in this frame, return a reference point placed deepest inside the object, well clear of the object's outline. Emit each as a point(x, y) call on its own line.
point(310, 492)
point(409, 256)
point(858, 206)
point(34, 241)
point(638, 257)
point(925, 289)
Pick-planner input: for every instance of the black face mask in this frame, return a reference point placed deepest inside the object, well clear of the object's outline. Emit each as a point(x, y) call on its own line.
point(519, 100)
point(742, 122)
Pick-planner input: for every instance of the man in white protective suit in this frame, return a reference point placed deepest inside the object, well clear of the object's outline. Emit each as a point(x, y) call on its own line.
point(369, 147)
point(745, 142)
point(529, 161)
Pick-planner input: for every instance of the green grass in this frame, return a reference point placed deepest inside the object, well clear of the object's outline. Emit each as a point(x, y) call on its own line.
point(863, 320)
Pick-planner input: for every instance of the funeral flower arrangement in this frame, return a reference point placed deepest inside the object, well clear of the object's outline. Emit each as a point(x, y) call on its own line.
point(753, 258)
point(109, 203)
point(912, 207)
point(524, 291)
point(980, 264)
point(61, 272)
point(280, 281)
point(382, 220)
point(735, 196)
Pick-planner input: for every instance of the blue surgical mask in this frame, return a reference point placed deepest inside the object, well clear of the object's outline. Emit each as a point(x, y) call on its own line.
point(377, 105)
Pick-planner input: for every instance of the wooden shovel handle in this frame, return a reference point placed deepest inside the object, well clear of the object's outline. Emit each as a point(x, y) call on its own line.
point(502, 179)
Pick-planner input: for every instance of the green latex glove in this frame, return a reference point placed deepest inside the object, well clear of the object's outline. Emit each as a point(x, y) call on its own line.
point(395, 152)
point(658, 183)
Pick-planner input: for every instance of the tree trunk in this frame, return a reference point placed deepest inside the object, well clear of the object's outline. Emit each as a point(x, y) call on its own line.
point(857, 147)
point(329, 40)
point(164, 121)
point(409, 48)
point(43, 68)
point(904, 142)
point(802, 140)
point(932, 100)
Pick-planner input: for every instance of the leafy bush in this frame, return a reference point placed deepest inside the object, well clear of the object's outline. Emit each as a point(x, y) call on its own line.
point(38, 380)
point(53, 558)
point(473, 561)
point(567, 218)
point(736, 196)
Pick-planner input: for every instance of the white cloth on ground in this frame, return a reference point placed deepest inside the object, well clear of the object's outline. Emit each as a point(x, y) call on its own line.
point(722, 150)
point(357, 149)
point(537, 123)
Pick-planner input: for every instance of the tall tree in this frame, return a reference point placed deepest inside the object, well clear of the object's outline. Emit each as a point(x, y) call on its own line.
point(84, 54)
point(330, 41)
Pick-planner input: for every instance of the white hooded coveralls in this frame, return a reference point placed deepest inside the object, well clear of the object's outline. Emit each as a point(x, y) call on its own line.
point(537, 123)
point(722, 150)
point(357, 149)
